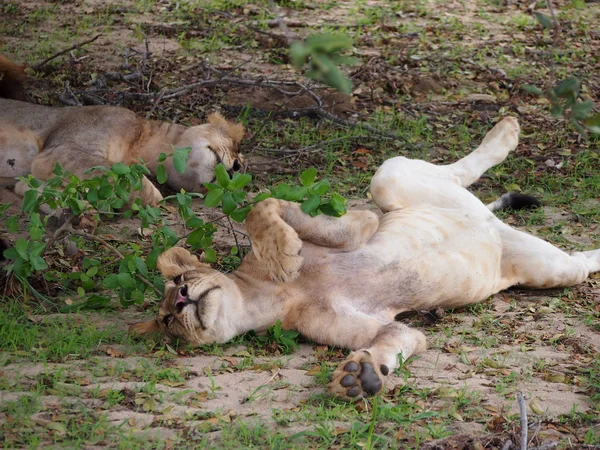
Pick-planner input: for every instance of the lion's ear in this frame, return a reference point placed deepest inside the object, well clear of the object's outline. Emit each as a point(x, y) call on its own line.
point(235, 131)
point(144, 327)
point(175, 261)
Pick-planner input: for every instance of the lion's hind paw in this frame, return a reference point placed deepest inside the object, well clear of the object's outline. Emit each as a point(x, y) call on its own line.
point(357, 377)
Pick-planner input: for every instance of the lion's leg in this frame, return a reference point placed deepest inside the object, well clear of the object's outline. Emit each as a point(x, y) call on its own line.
point(401, 182)
point(277, 229)
point(376, 343)
point(531, 262)
point(495, 147)
point(78, 163)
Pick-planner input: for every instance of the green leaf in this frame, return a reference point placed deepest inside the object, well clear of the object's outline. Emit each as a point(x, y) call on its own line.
point(180, 157)
point(92, 196)
point(194, 222)
point(111, 281)
point(12, 223)
point(308, 176)
point(262, 196)
point(210, 256)
point(238, 196)
point(21, 248)
point(38, 263)
point(76, 205)
point(229, 203)
point(125, 280)
point(240, 214)
point(152, 258)
point(568, 87)
point(34, 183)
point(223, 179)
point(120, 168)
point(140, 265)
point(162, 157)
point(322, 187)
point(296, 194)
point(195, 238)
point(339, 204)
point(593, 123)
point(36, 248)
point(582, 110)
point(30, 201)
point(310, 205)
point(211, 186)
point(241, 180)
point(543, 20)
point(161, 174)
point(58, 170)
point(532, 89)
point(213, 198)
point(280, 191)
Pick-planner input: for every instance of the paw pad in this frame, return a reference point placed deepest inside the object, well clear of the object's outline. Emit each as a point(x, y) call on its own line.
point(358, 378)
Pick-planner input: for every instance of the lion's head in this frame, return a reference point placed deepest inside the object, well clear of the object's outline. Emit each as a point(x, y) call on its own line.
point(212, 143)
point(197, 301)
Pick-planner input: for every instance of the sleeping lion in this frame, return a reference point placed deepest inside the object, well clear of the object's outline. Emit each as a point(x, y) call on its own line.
point(33, 138)
point(342, 281)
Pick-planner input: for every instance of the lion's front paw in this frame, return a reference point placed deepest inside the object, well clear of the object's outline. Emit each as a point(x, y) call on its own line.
point(357, 377)
point(281, 257)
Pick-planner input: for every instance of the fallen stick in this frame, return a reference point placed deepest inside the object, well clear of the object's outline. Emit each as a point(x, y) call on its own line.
point(38, 66)
point(523, 409)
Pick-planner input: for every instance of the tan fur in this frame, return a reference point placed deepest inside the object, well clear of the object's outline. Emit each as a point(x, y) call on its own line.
point(343, 281)
point(34, 138)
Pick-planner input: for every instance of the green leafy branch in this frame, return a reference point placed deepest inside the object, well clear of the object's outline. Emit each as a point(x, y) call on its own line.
point(565, 102)
point(323, 54)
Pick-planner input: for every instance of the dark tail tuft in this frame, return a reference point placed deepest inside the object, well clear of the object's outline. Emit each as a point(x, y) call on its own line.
point(12, 78)
point(514, 200)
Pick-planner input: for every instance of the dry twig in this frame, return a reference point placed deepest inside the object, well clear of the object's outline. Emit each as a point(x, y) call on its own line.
point(523, 410)
point(38, 66)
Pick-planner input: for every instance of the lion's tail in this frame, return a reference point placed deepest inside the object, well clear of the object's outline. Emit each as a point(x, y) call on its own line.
point(12, 79)
point(514, 200)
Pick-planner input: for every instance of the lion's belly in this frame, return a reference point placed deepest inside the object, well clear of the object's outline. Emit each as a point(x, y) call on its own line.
point(424, 258)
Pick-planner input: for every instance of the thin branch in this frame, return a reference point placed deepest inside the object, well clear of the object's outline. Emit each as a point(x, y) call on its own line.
point(556, 26)
point(62, 52)
point(523, 410)
point(237, 244)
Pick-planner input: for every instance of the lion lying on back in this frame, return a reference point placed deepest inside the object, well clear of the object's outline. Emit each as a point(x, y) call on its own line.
point(34, 138)
point(342, 281)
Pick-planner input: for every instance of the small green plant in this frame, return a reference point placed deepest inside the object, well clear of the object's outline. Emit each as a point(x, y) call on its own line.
point(286, 341)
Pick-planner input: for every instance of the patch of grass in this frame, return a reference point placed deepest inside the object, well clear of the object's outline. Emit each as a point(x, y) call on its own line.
point(55, 338)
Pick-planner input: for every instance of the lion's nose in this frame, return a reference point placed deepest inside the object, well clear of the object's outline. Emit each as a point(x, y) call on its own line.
point(182, 298)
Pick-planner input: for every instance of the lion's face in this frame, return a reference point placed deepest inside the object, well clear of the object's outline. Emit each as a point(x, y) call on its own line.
point(196, 301)
point(212, 143)
point(192, 306)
